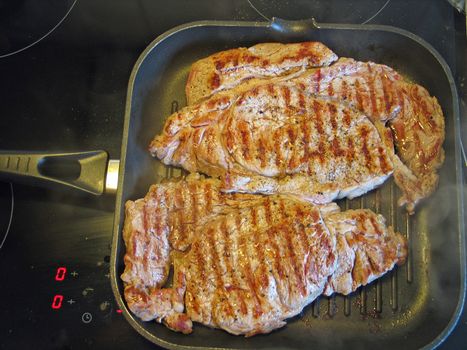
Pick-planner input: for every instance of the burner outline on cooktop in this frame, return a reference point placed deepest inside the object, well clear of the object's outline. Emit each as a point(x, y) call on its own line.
point(11, 216)
point(41, 38)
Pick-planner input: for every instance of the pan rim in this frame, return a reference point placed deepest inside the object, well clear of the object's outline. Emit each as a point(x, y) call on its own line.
point(116, 238)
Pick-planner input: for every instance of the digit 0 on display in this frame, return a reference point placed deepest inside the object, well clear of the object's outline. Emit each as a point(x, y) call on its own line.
point(60, 274)
point(58, 298)
point(57, 301)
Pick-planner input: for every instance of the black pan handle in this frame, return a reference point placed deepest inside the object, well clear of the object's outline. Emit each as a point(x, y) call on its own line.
point(91, 171)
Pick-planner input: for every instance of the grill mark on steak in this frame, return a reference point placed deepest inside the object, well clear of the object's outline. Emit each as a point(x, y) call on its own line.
point(301, 102)
point(346, 118)
point(333, 111)
point(418, 143)
point(229, 136)
point(219, 64)
point(215, 81)
point(270, 244)
point(316, 223)
point(318, 80)
point(426, 114)
point(292, 258)
point(245, 139)
point(178, 198)
point(194, 203)
point(374, 224)
point(358, 93)
point(276, 251)
point(387, 92)
point(306, 51)
point(179, 234)
point(330, 89)
point(371, 86)
point(145, 217)
point(305, 126)
point(258, 249)
point(254, 219)
point(270, 88)
point(218, 276)
point(158, 213)
point(282, 235)
point(433, 154)
point(360, 217)
point(261, 247)
point(210, 138)
point(345, 90)
point(298, 243)
point(267, 211)
point(246, 58)
point(279, 263)
point(255, 91)
point(228, 263)
point(261, 153)
point(363, 132)
point(350, 150)
point(200, 266)
point(185, 212)
point(303, 238)
point(336, 149)
point(245, 266)
point(293, 159)
point(285, 92)
point(415, 100)
point(278, 148)
point(208, 197)
point(385, 167)
point(317, 109)
point(291, 134)
point(320, 152)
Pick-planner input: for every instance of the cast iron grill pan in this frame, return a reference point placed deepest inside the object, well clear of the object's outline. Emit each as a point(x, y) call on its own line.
point(414, 306)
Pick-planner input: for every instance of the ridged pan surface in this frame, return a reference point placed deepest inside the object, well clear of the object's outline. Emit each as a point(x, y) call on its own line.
point(412, 307)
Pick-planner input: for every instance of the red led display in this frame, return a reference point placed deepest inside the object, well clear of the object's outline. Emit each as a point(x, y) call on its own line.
point(119, 311)
point(60, 275)
point(57, 302)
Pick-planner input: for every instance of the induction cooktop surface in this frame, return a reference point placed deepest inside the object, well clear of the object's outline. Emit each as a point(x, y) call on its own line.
point(65, 66)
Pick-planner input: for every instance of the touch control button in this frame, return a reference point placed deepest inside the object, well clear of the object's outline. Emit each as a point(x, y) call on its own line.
point(106, 308)
point(86, 318)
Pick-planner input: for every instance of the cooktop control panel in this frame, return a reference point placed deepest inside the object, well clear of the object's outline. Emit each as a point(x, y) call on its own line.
point(75, 296)
point(56, 266)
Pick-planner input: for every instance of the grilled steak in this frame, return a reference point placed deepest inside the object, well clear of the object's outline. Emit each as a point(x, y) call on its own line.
point(276, 139)
point(227, 69)
point(247, 262)
point(415, 119)
point(177, 207)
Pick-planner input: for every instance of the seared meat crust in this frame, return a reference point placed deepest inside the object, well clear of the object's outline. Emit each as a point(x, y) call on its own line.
point(276, 139)
point(247, 262)
point(227, 69)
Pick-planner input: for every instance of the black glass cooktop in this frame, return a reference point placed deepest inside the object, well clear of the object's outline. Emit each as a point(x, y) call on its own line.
point(64, 89)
